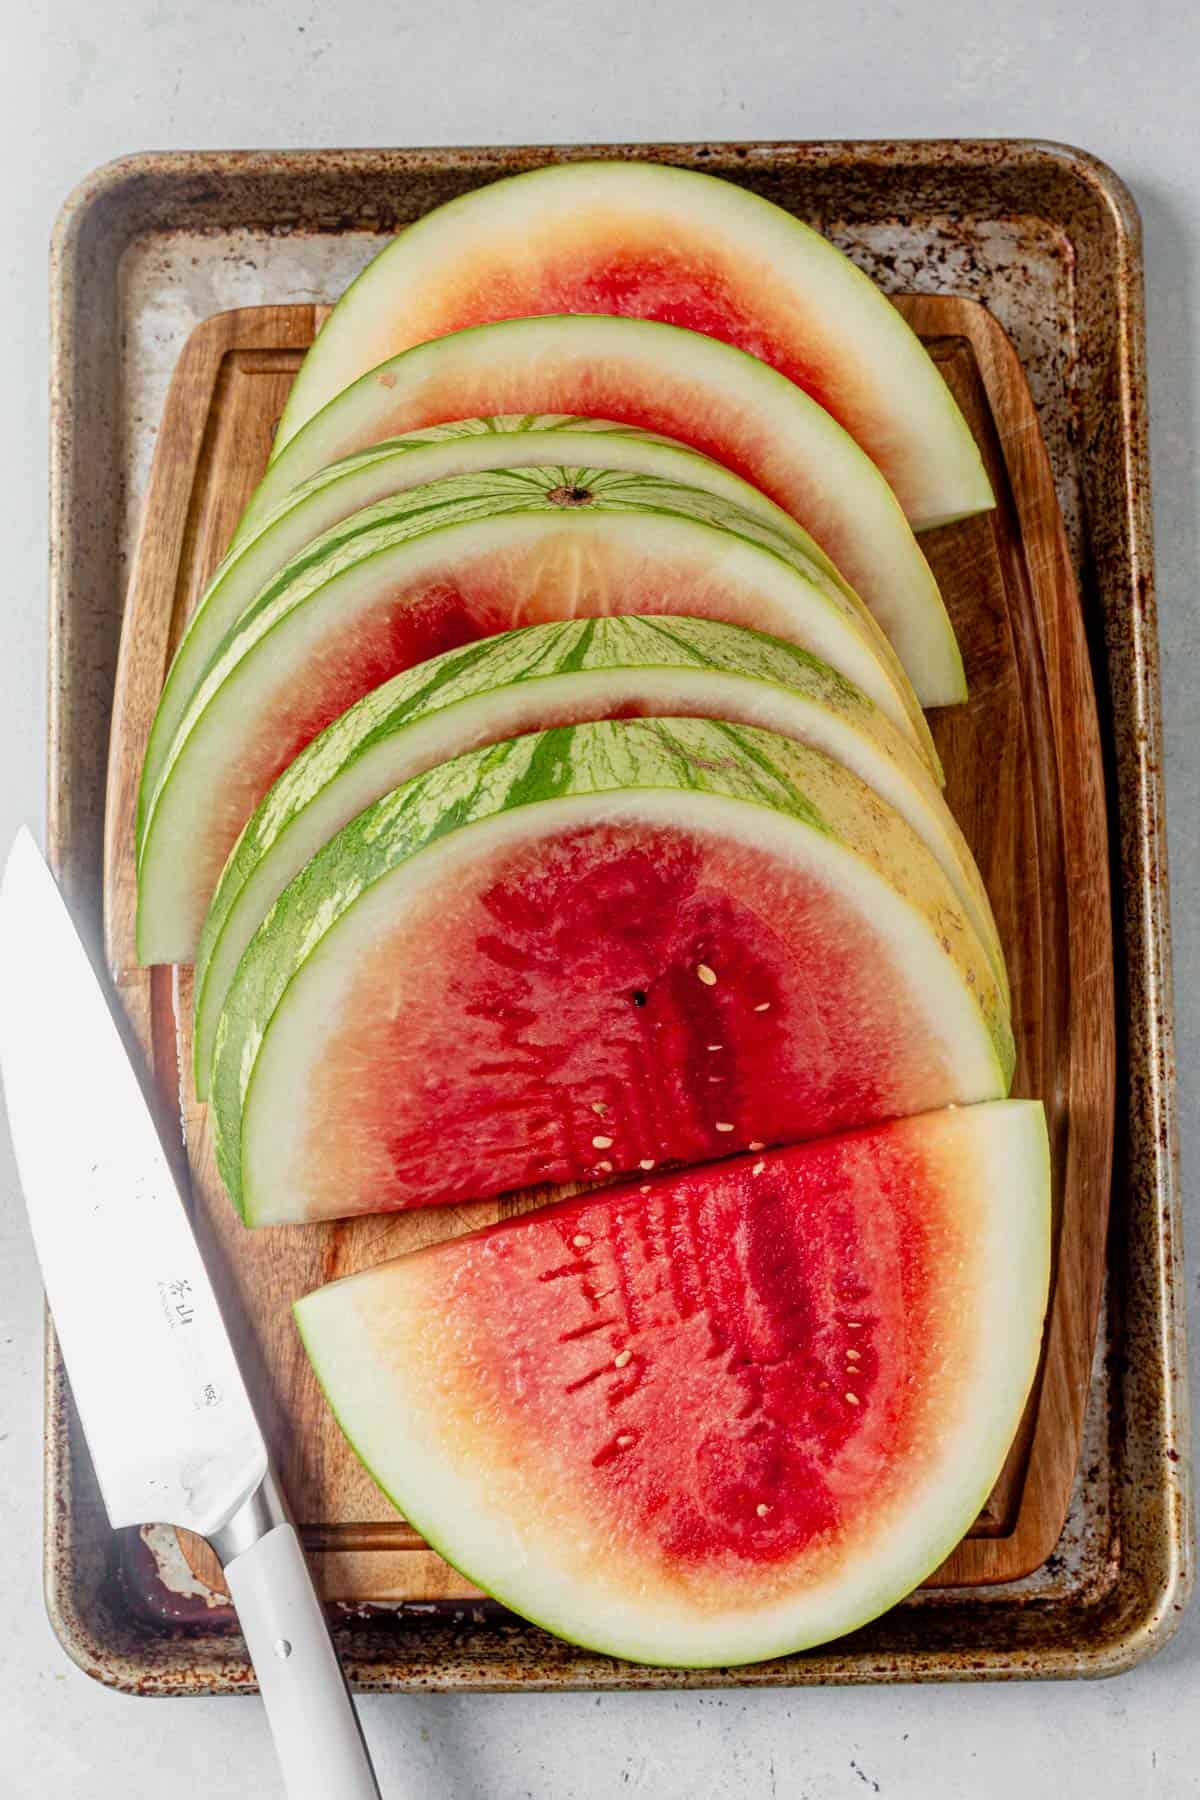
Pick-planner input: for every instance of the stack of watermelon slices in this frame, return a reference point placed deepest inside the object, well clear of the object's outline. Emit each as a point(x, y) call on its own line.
point(543, 793)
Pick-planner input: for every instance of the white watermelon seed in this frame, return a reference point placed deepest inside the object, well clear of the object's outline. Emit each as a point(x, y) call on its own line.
point(625, 1438)
point(581, 1241)
point(764, 1006)
point(851, 1399)
point(723, 1125)
point(624, 1357)
point(605, 1168)
point(647, 1162)
point(756, 1144)
point(714, 1046)
point(706, 975)
point(762, 1509)
point(758, 1168)
point(601, 1143)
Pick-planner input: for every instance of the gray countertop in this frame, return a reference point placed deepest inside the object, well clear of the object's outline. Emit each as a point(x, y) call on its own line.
point(85, 80)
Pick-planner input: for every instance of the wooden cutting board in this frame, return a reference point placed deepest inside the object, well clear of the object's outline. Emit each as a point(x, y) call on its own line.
point(1024, 779)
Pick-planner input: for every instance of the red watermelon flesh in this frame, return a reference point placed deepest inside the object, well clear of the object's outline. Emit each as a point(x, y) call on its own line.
point(721, 1415)
point(606, 997)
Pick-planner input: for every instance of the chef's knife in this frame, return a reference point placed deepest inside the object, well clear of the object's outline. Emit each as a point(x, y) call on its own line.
point(168, 1421)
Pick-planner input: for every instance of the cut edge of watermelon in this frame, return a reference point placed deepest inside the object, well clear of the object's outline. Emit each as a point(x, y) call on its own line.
point(1007, 1150)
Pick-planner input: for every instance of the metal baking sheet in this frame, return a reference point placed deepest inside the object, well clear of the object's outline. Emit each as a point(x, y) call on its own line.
point(1049, 240)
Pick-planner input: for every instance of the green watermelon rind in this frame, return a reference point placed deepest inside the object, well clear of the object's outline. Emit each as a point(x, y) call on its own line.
point(568, 767)
point(416, 524)
point(757, 666)
point(1024, 1172)
point(488, 443)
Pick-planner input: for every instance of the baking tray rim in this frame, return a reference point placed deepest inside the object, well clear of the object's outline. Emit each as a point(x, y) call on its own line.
point(1151, 1625)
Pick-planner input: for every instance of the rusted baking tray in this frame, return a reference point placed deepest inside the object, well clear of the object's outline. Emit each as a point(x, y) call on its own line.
point(212, 269)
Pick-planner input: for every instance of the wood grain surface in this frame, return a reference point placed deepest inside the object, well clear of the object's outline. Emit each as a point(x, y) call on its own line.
point(1024, 779)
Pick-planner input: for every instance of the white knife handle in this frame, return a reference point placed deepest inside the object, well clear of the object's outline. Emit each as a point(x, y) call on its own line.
point(317, 1735)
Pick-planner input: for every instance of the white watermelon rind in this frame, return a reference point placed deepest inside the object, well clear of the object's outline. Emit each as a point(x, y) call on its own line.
point(413, 460)
point(1005, 1152)
point(860, 524)
point(933, 460)
point(548, 674)
point(362, 561)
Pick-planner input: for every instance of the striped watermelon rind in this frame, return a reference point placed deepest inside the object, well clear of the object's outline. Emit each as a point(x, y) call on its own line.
point(731, 778)
point(704, 393)
point(365, 478)
point(630, 526)
point(549, 674)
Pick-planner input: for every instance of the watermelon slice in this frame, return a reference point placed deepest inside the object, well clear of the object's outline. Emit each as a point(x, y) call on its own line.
point(653, 242)
point(706, 394)
point(595, 948)
point(554, 675)
point(466, 447)
point(442, 566)
point(723, 1415)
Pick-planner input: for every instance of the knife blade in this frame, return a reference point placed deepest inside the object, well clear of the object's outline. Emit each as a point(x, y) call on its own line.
point(168, 1421)
point(165, 1412)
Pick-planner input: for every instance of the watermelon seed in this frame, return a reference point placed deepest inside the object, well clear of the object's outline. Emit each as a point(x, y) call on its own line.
point(714, 1046)
point(853, 1324)
point(600, 1106)
point(605, 1168)
point(755, 1144)
point(723, 1126)
point(758, 1168)
point(762, 1509)
point(853, 1355)
point(620, 1361)
point(581, 1241)
point(570, 496)
point(645, 1188)
point(640, 997)
point(625, 1439)
point(765, 1007)
point(601, 1143)
point(647, 1162)
point(706, 975)
point(851, 1399)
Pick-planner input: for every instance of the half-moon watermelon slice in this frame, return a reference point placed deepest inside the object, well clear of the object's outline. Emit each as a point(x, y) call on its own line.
point(653, 242)
point(595, 949)
point(718, 400)
point(556, 675)
point(442, 566)
point(468, 446)
point(723, 1415)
